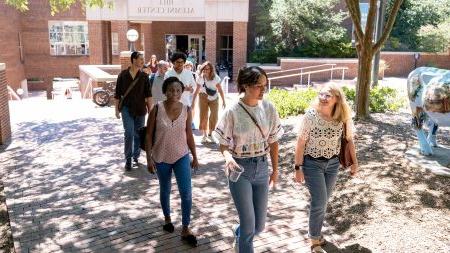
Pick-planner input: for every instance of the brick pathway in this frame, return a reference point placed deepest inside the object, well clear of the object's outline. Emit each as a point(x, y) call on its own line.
point(66, 191)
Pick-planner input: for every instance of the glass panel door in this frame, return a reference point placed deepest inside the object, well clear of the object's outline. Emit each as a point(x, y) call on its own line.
point(195, 49)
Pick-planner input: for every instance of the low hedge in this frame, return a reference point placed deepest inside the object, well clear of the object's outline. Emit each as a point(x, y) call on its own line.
point(293, 103)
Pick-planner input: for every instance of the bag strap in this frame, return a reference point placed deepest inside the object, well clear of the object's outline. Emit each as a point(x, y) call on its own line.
point(154, 125)
point(344, 130)
point(131, 86)
point(253, 119)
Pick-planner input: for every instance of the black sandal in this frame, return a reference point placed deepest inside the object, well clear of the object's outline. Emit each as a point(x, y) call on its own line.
point(317, 248)
point(322, 241)
point(168, 227)
point(190, 239)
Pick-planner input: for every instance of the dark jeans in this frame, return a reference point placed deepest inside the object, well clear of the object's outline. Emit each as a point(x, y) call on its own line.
point(320, 178)
point(131, 124)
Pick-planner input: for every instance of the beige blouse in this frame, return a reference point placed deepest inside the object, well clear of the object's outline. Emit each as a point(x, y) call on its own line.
point(323, 138)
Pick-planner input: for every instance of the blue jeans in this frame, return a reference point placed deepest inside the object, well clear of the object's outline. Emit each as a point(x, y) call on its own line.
point(250, 195)
point(182, 170)
point(320, 178)
point(131, 124)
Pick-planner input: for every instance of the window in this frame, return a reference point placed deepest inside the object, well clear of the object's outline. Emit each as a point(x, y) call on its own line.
point(68, 37)
point(19, 37)
point(115, 43)
point(226, 50)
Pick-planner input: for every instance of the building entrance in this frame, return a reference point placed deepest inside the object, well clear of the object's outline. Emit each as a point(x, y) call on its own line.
point(192, 45)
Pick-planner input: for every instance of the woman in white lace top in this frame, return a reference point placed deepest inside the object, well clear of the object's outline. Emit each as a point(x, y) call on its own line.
point(317, 154)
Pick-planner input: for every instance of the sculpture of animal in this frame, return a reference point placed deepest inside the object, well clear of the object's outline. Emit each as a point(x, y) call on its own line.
point(429, 97)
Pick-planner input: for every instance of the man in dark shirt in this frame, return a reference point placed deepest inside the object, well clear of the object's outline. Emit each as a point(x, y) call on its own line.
point(135, 106)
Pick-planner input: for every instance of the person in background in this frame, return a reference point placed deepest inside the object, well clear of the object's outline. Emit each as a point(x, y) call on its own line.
point(134, 107)
point(209, 89)
point(153, 64)
point(157, 80)
point(317, 154)
point(178, 60)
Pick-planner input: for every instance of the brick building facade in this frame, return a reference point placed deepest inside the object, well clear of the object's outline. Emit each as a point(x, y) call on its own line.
point(40, 47)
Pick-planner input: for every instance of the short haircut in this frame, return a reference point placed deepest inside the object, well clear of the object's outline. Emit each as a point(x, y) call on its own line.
point(135, 55)
point(162, 63)
point(178, 55)
point(249, 76)
point(170, 81)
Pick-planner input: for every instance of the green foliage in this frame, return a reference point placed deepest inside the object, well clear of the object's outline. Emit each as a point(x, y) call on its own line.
point(435, 38)
point(413, 15)
point(60, 5)
point(291, 103)
point(381, 99)
point(297, 23)
point(264, 56)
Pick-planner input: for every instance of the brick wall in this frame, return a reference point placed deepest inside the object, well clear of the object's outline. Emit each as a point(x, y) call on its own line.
point(38, 61)
point(9, 45)
point(5, 125)
point(400, 65)
point(211, 41)
point(239, 46)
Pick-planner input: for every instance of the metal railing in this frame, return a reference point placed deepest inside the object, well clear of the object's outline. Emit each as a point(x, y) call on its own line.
point(301, 74)
point(225, 82)
point(302, 68)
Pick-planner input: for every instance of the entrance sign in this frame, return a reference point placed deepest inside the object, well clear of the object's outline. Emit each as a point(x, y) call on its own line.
point(166, 8)
point(132, 35)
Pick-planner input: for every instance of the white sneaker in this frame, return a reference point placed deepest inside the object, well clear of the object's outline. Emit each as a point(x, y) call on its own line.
point(211, 139)
point(236, 238)
point(204, 139)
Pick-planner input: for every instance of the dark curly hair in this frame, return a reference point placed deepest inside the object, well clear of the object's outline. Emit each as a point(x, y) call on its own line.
point(249, 76)
point(178, 55)
point(169, 81)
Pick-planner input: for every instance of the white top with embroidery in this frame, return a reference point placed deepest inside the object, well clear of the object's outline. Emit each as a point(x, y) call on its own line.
point(237, 130)
point(323, 138)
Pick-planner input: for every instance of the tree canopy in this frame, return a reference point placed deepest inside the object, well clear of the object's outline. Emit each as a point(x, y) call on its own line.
point(412, 16)
point(309, 21)
point(60, 5)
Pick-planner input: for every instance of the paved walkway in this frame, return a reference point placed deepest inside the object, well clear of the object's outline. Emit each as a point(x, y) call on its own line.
point(66, 190)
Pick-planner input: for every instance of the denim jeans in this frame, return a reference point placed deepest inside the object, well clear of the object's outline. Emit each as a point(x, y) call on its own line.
point(182, 170)
point(250, 195)
point(320, 178)
point(131, 124)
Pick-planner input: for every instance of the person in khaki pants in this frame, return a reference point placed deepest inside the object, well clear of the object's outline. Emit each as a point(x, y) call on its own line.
point(208, 87)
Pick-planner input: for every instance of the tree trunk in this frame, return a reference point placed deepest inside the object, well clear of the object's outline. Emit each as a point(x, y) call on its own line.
point(363, 83)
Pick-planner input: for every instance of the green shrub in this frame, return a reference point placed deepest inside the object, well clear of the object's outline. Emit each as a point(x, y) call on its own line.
point(381, 99)
point(291, 103)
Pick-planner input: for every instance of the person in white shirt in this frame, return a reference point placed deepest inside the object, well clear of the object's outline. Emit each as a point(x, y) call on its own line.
point(209, 89)
point(178, 60)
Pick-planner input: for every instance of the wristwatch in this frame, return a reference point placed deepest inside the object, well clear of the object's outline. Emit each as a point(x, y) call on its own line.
point(298, 167)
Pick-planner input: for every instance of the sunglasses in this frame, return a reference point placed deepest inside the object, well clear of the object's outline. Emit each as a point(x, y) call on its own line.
point(325, 95)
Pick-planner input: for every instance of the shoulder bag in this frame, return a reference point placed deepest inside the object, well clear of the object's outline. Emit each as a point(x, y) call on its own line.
point(345, 157)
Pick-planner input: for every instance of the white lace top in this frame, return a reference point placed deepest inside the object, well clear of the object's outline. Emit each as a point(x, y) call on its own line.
point(237, 130)
point(323, 138)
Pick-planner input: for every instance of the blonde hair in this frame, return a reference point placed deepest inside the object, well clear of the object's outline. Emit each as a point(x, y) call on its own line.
point(341, 111)
point(212, 72)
